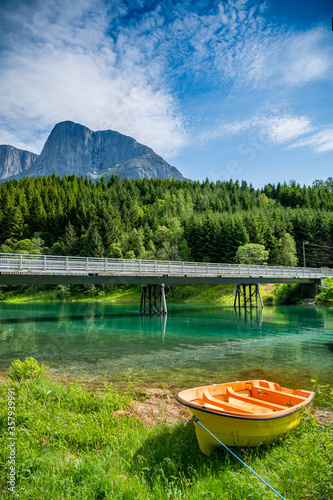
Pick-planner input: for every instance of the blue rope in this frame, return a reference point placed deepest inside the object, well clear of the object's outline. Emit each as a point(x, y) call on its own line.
point(194, 419)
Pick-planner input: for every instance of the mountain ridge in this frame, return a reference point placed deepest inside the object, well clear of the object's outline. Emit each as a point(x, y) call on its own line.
point(13, 161)
point(72, 148)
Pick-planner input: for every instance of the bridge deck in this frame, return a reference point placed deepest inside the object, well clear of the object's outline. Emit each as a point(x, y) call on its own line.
point(21, 269)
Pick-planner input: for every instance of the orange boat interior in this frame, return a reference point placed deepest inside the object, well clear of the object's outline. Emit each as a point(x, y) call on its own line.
point(255, 398)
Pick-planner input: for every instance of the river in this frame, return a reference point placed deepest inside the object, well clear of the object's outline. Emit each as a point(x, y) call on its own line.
point(192, 345)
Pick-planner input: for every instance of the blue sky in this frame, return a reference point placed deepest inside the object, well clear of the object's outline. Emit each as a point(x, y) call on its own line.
point(221, 89)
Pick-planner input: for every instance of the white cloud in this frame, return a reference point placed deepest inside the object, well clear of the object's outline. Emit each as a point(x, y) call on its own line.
point(235, 44)
point(63, 66)
point(59, 62)
point(28, 142)
point(320, 142)
point(225, 130)
point(306, 58)
point(282, 129)
point(276, 129)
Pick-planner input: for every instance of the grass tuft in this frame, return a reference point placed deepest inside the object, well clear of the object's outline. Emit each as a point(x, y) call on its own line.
point(29, 368)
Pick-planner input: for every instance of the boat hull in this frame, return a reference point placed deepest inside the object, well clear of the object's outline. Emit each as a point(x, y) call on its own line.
point(237, 431)
point(243, 413)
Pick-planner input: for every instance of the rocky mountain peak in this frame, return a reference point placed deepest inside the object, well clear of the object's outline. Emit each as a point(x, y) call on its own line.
point(14, 161)
point(72, 148)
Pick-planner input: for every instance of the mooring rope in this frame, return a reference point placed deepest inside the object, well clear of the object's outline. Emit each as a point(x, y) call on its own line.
point(194, 419)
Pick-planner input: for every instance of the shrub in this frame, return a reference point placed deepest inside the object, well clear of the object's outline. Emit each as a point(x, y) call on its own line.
point(252, 253)
point(324, 395)
point(29, 368)
point(326, 291)
point(287, 293)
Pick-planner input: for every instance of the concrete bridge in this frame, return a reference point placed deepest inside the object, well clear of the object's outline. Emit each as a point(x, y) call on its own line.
point(21, 269)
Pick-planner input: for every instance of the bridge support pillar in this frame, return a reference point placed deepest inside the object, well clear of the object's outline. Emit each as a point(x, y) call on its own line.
point(248, 296)
point(309, 290)
point(152, 299)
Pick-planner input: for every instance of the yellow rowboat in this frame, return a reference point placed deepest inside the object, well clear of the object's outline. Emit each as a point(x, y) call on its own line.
point(244, 413)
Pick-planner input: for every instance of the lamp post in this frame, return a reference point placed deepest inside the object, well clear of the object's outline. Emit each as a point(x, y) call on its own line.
point(304, 243)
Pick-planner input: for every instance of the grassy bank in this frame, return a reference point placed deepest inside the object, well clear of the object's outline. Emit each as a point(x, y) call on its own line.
point(74, 444)
point(181, 294)
point(282, 294)
point(61, 293)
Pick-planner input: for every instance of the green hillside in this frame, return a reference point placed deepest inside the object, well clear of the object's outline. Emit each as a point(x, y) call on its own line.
point(166, 219)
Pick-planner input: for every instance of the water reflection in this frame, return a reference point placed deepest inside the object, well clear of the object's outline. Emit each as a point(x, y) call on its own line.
point(105, 340)
point(249, 316)
point(154, 322)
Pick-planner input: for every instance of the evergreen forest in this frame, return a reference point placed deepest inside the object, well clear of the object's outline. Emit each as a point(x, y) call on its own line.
point(167, 219)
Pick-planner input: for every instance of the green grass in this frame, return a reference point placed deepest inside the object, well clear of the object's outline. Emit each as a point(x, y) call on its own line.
point(180, 294)
point(201, 294)
point(56, 294)
point(71, 445)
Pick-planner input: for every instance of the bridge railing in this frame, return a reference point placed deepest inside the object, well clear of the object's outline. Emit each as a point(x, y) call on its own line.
point(53, 264)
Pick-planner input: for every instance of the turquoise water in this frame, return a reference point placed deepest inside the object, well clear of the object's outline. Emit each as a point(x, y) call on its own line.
point(192, 345)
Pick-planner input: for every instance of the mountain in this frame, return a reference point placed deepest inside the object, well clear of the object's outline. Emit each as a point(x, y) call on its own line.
point(14, 161)
point(72, 148)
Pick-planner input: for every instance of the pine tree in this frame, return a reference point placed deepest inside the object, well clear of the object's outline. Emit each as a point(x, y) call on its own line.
point(14, 224)
point(93, 242)
point(38, 215)
point(287, 255)
point(70, 241)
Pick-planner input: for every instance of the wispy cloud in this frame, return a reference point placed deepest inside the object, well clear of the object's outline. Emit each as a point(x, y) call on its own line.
point(234, 43)
point(282, 129)
point(320, 142)
point(127, 65)
point(276, 129)
point(61, 64)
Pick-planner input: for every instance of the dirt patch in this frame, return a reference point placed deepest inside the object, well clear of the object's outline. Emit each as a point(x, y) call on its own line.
point(324, 416)
point(160, 406)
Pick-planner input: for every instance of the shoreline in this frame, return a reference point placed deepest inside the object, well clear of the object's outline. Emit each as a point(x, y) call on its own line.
point(154, 404)
point(177, 294)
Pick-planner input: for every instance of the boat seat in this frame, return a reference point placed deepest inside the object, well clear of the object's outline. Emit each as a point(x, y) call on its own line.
point(266, 384)
point(255, 401)
point(223, 405)
point(282, 398)
point(229, 411)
